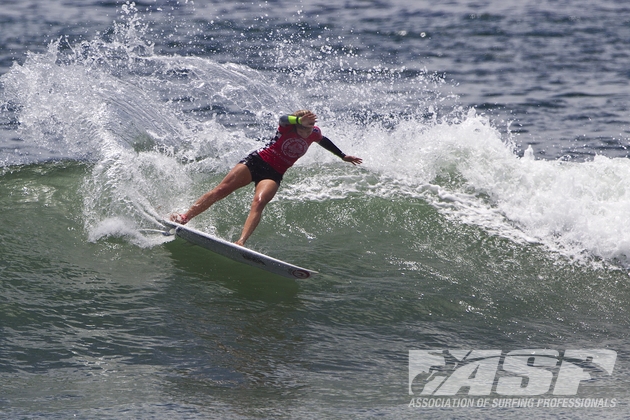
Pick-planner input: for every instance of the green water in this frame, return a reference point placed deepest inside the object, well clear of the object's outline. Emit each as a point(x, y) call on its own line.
point(173, 328)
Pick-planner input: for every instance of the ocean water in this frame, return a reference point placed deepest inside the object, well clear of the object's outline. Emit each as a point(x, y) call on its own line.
point(492, 211)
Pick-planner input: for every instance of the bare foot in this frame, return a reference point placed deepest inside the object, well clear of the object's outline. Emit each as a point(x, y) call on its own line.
point(179, 218)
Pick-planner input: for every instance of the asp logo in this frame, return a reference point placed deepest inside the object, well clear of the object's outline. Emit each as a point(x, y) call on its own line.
point(515, 373)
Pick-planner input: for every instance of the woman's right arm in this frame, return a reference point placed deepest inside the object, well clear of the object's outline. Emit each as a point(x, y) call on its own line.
point(307, 120)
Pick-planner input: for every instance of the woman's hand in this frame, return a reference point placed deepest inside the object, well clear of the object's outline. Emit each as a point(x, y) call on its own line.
point(308, 120)
point(353, 159)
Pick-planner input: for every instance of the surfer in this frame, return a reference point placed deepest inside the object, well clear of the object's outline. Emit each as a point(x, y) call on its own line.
point(265, 167)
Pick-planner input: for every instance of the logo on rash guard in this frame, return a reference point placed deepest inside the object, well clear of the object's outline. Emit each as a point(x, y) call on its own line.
point(294, 148)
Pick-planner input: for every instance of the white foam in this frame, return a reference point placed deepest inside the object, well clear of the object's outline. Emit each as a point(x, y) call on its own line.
point(469, 172)
point(150, 158)
point(119, 227)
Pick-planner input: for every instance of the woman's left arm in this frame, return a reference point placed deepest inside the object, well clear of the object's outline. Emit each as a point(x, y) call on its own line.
point(330, 146)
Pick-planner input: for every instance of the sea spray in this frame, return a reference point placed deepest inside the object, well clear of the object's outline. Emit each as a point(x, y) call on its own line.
point(160, 130)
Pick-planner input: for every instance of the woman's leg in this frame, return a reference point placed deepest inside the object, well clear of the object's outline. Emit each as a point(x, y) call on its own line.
point(237, 178)
point(265, 191)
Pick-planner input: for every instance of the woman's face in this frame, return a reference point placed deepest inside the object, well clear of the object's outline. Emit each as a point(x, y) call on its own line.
point(304, 131)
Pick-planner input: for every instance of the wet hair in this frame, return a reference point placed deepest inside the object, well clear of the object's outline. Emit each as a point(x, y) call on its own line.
point(301, 113)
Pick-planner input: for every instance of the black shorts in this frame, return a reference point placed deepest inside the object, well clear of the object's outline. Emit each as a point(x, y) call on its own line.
point(260, 169)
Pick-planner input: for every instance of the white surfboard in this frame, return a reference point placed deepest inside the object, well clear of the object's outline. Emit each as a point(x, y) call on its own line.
point(239, 253)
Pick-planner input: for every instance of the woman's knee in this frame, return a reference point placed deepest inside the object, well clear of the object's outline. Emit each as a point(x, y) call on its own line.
point(259, 203)
point(223, 190)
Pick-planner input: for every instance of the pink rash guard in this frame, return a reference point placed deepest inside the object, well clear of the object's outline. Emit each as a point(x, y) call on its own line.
point(287, 147)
